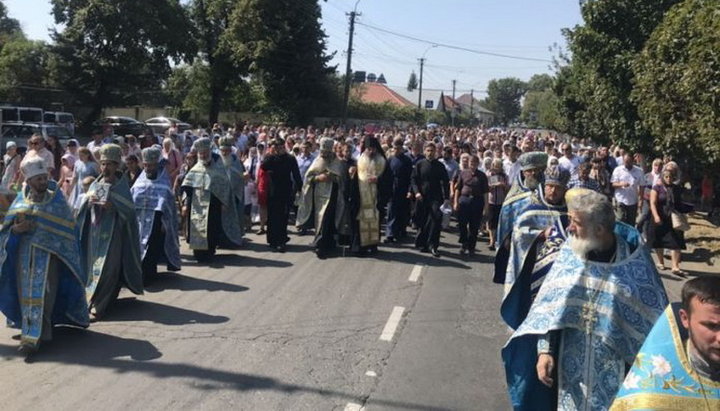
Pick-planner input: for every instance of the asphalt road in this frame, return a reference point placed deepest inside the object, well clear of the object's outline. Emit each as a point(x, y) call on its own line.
point(265, 331)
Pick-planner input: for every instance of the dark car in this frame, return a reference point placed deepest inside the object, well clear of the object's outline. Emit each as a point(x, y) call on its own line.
point(124, 125)
point(161, 124)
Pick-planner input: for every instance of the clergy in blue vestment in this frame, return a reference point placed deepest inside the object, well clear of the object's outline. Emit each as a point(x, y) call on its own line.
point(42, 282)
point(545, 215)
point(109, 238)
point(154, 201)
point(678, 366)
point(235, 170)
point(594, 309)
point(530, 180)
point(209, 207)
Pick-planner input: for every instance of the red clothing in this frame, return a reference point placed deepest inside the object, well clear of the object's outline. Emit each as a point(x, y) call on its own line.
point(263, 185)
point(706, 188)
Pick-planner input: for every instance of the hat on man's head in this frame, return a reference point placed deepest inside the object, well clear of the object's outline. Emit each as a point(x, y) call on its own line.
point(202, 144)
point(10, 144)
point(111, 152)
point(151, 155)
point(226, 141)
point(34, 166)
point(533, 160)
point(557, 175)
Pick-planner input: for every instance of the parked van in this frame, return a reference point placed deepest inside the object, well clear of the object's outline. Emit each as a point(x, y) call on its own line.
point(14, 114)
point(63, 119)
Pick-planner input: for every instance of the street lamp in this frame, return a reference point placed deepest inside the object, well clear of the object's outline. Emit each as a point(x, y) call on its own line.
point(422, 64)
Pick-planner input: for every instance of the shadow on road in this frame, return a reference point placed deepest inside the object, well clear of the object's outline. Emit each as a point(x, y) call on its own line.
point(234, 260)
point(181, 282)
point(93, 349)
point(131, 309)
point(86, 347)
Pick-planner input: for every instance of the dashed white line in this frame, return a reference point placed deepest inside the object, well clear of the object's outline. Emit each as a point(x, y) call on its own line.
point(371, 374)
point(353, 407)
point(415, 274)
point(392, 324)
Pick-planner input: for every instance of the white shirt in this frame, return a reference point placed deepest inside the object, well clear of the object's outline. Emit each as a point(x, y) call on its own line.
point(570, 164)
point(635, 177)
point(511, 169)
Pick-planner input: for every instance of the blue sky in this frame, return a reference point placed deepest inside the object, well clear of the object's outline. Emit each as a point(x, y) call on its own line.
point(524, 28)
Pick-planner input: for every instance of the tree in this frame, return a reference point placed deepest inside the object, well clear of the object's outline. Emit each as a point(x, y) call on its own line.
point(595, 86)
point(188, 88)
point(540, 109)
point(211, 19)
point(540, 82)
point(412, 82)
point(9, 27)
point(24, 71)
point(114, 52)
point(678, 82)
point(504, 98)
point(283, 44)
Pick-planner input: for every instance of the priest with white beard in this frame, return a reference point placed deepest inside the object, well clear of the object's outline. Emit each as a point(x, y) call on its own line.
point(592, 313)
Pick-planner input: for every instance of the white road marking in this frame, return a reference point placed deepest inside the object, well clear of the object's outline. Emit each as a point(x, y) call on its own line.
point(392, 324)
point(371, 374)
point(351, 406)
point(415, 274)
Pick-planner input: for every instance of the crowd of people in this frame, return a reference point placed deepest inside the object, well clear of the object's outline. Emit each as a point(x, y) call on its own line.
point(571, 224)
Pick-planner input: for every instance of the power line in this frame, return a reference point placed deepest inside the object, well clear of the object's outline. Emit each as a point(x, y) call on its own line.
point(450, 46)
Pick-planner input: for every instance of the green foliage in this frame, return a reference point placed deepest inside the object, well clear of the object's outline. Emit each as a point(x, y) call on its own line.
point(24, 67)
point(9, 27)
point(380, 111)
point(678, 81)
point(504, 98)
point(540, 110)
point(219, 75)
point(540, 82)
point(594, 88)
point(113, 52)
point(283, 45)
point(412, 82)
point(188, 88)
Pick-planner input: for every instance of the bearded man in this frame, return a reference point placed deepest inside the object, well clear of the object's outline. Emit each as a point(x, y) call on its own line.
point(42, 282)
point(208, 205)
point(371, 175)
point(594, 309)
point(157, 215)
point(527, 267)
point(110, 238)
point(532, 167)
point(678, 366)
point(322, 204)
point(236, 175)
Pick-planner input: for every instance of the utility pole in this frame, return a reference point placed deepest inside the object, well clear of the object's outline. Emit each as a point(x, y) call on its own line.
point(422, 63)
point(472, 102)
point(452, 113)
point(348, 70)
